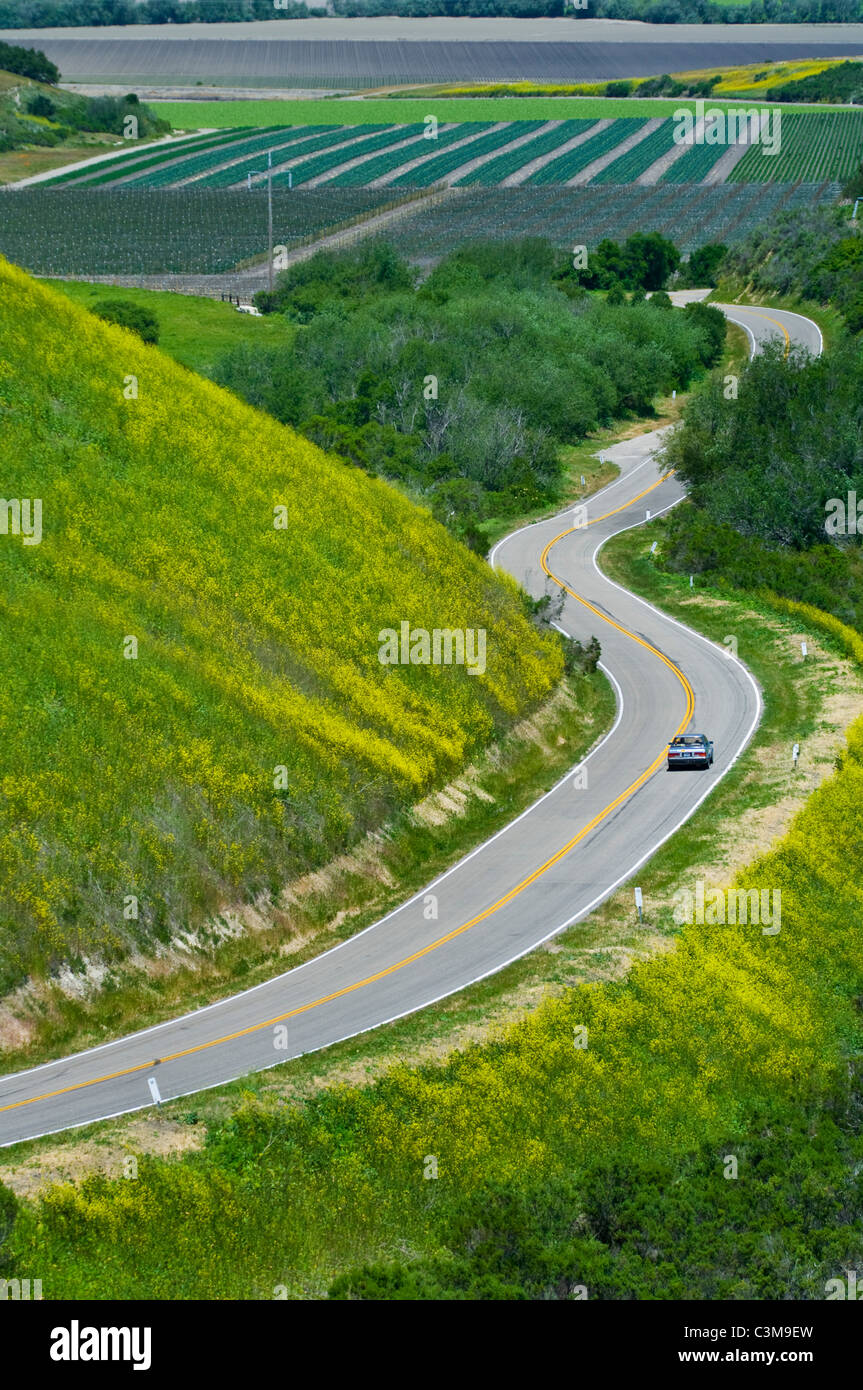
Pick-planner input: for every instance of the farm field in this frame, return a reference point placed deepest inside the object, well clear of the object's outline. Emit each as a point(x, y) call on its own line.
point(817, 144)
point(192, 115)
point(690, 215)
point(71, 231)
point(321, 58)
point(207, 231)
point(814, 146)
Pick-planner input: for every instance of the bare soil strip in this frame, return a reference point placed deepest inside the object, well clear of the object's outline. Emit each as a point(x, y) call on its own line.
point(523, 174)
point(603, 160)
point(661, 165)
point(393, 174)
point(733, 155)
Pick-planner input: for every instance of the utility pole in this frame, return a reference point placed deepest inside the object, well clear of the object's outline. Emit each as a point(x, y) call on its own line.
point(269, 173)
point(270, 220)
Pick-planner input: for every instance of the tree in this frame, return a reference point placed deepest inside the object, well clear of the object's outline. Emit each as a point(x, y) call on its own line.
point(40, 105)
point(704, 263)
point(28, 62)
point(649, 259)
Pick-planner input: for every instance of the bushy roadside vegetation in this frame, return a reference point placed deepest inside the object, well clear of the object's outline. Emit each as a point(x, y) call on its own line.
point(762, 473)
point(32, 115)
point(193, 709)
point(814, 254)
point(463, 387)
point(735, 1044)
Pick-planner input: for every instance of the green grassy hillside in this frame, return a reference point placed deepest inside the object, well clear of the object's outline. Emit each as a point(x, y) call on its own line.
point(150, 783)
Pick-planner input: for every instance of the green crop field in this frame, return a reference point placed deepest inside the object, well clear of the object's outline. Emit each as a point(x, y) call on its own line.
point(815, 145)
point(810, 146)
point(193, 115)
point(144, 231)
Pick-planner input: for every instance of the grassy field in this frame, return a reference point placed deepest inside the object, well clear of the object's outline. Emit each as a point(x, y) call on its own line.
point(195, 115)
point(193, 330)
point(203, 713)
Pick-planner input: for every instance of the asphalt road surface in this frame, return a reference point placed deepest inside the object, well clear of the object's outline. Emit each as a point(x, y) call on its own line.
point(547, 869)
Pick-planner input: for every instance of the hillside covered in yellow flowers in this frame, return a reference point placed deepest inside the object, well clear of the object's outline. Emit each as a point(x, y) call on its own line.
point(192, 705)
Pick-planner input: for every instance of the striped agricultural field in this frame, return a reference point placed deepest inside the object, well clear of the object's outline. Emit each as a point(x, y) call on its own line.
point(497, 170)
point(815, 147)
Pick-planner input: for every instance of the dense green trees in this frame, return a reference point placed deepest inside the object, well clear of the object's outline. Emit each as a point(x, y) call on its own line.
point(810, 253)
point(39, 13)
point(767, 462)
point(644, 261)
point(463, 387)
point(28, 62)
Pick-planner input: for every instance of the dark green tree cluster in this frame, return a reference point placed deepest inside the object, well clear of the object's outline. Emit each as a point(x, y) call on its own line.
point(844, 83)
point(129, 315)
point(462, 388)
point(29, 14)
point(767, 462)
point(645, 261)
point(763, 470)
point(703, 267)
point(28, 62)
point(39, 14)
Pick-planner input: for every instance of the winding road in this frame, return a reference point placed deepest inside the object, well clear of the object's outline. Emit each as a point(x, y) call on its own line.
point(546, 870)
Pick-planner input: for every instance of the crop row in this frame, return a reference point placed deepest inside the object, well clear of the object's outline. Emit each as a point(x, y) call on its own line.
point(422, 148)
point(694, 164)
point(296, 147)
point(571, 163)
point(144, 157)
point(323, 163)
point(813, 145)
point(496, 170)
point(439, 166)
point(634, 162)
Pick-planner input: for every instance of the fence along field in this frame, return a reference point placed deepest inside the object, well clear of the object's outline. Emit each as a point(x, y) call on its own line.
point(814, 146)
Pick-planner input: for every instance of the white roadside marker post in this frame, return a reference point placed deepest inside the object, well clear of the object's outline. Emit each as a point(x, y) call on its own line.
point(639, 904)
point(154, 1089)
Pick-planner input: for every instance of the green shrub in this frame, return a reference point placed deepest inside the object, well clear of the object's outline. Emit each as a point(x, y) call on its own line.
point(129, 315)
